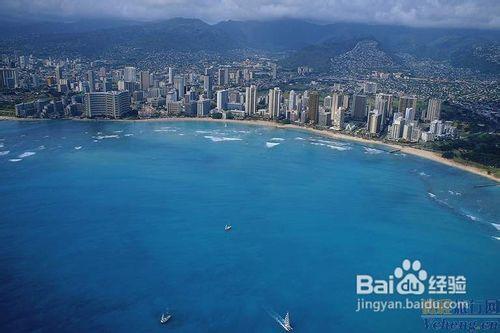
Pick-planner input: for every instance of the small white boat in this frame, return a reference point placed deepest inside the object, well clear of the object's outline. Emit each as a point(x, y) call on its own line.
point(165, 317)
point(227, 227)
point(285, 323)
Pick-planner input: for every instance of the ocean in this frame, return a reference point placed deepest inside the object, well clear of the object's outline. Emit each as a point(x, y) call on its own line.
point(105, 225)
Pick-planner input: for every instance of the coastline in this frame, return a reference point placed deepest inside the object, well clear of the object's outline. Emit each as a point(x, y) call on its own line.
point(403, 149)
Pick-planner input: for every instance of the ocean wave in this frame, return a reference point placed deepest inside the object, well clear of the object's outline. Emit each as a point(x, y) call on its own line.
point(15, 159)
point(432, 195)
point(42, 147)
point(299, 138)
point(277, 139)
point(271, 144)
point(181, 133)
point(78, 147)
point(120, 131)
point(1, 145)
point(497, 226)
point(372, 151)
point(101, 137)
point(472, 217)
point(494, 237)
point(165, 130)
point(128, 134)
point(317, 144)
point(340, 148)
point(221, 138)
point(423, 174)
point(26, 154)
point(454, 193)
point(5, 152)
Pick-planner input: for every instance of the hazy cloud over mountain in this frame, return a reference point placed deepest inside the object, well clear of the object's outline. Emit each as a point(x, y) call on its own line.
point(427, 13)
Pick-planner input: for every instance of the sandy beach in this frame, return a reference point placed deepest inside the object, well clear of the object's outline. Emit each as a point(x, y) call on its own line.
point(334, 135)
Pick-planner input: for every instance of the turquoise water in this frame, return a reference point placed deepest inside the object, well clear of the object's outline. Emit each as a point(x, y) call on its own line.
point(110, 223)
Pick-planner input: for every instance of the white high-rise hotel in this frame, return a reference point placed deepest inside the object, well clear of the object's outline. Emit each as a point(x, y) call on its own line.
point(274, 102)
point(251, 100)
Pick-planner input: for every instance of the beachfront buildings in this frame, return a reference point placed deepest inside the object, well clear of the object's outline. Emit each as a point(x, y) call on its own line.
point(251, 100)
point(113, 104)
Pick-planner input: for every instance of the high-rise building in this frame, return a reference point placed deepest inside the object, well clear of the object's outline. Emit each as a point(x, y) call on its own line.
point(179, 85)
point(91, 79)
point(292, 100)
point(383, 103)
point(170, 75)
point(111, 104)
point(274, 71)
point(327, 102)
point(58, 73)
point(274, 102)
point(129, 74)
point(313, 106)
point(145, 80)
point(410, 114)
point(397, 128)
point(207, 85)
point(251, 100)
point(203, 107)
point(8, 78)
point(433, 110)
point(222, 99)
point(374, 123)
point(359, 107)
point(223, 76)
point(336, 102)
point(407, 102)
point(338, 118)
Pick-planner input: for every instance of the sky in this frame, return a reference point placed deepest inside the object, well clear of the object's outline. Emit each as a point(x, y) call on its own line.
point(416, 13)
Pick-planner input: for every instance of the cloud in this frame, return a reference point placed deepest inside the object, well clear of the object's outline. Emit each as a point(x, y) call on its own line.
point(420, 13)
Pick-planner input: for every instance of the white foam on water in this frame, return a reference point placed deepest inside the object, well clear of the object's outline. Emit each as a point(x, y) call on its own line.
point(15, 160)
point(128, 134)
point(95, 140)
point(101, 137)
point(372, 151)
point(423, 174)
point(317, 144)
point(181, 133)
point(1, 145)
point(117, 131)
point(494, 237)
point(221, 138)
point(165, 130)
point(5, 152)
point(42, 147)
point(432, 195)
point(299, 138)
point(27, 154)
point(340, 148)
point(204, 132)
point(497, 226)
point(271, 144)
point(277, 139)
point(78, 147)
point(472, 217)
point(454, 193)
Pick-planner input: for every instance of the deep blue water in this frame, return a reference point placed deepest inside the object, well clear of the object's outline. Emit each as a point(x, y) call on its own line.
point(105, 237)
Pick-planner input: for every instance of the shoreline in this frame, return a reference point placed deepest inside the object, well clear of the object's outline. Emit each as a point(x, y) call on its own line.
point(434, 156)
